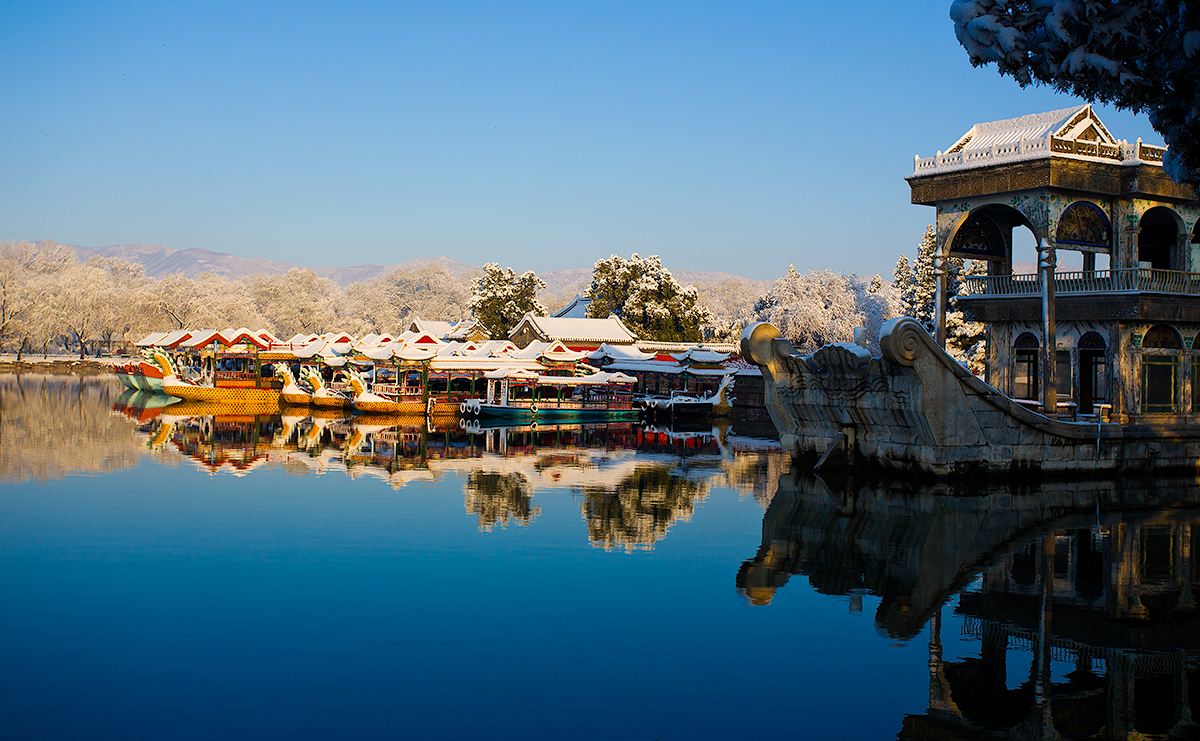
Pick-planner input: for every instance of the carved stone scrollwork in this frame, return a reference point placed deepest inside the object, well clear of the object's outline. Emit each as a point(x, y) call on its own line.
point(901, 339)
point(758, 341)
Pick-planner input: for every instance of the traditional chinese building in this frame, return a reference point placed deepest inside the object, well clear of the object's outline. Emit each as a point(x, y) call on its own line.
point(1124, 326)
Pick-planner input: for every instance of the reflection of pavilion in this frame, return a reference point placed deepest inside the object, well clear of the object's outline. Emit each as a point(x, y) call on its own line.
point(1114, 602)
point(1096, 614)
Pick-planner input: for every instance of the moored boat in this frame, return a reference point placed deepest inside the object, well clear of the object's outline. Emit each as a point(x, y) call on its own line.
point(323, 396)
point(291, 393)
point(238, 377)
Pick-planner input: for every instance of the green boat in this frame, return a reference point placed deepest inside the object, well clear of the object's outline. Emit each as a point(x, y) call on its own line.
point(523, 396)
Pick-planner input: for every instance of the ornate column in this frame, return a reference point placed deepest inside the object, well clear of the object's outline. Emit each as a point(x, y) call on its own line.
point(1047, 262)
point(939, 297)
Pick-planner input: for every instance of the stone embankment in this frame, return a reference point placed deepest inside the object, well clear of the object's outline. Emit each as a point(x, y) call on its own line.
point(59, 365)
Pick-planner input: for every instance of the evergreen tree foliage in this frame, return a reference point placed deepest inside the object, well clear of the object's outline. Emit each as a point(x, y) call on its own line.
point(902, 280)
point(648, 299)
point(500, 297)
point(1140, 55)
point(964, 340)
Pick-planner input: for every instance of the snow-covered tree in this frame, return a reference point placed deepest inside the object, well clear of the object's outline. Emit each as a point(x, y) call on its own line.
point(297, 301)
point(902, 281)
point(500, 297)
point(813, 308)
point(80, 300)
point(648, 299)
point(1140, 55)
point(389, 302)
point(26, 279)
point(966, 340)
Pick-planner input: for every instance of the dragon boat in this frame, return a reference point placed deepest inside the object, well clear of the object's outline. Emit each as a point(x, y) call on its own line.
point(146, 374)
point(291, 393)
point(322, 396)
point(237, 378)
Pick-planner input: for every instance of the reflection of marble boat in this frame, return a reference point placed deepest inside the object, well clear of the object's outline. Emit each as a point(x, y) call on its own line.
point(915, 409)
point(916, 545)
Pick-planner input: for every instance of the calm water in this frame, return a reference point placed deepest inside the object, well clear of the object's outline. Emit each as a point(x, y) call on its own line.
point(168, 573)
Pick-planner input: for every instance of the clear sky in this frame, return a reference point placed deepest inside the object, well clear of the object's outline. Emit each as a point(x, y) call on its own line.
point(738, 136)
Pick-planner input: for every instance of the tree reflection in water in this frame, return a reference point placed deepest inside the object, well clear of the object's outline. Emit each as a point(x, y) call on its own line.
point(633, 483)
point(499, 498)
point(52, 426)
point(1092, 586)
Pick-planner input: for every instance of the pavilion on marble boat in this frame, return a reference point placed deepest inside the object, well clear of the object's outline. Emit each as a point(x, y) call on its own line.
point(1125, 325)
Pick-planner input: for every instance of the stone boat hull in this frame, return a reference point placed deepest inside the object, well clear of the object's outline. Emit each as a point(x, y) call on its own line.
point(914, 409)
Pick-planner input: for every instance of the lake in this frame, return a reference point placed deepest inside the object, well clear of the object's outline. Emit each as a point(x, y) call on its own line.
point(190, 572)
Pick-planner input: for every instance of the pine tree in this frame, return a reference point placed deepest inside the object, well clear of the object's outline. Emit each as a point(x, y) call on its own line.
point(500, 297)
point(902, 280)
point(924, 286)
point(964, 340)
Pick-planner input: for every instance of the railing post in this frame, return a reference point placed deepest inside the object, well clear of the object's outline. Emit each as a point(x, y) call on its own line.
point(1047, 261)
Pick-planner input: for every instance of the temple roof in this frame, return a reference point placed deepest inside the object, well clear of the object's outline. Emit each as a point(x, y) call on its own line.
point(610, 329)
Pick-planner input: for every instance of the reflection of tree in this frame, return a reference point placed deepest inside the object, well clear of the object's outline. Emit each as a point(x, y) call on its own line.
point(499, 498)
point(51, 426)
point(638, 511)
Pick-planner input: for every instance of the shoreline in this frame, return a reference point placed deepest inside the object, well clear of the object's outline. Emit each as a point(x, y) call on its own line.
point(62, 366)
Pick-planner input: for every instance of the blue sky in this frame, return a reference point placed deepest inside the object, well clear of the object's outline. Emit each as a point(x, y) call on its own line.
point(739, 137)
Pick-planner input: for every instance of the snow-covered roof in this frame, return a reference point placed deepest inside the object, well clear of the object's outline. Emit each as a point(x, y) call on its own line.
point(566, 329)
point(151, 340)
point(437, 328)
point(619, 352)
point(1075, 133)
point(701, 354)
point(576, 309)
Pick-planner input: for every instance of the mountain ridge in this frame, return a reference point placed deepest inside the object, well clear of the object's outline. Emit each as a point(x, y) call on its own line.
point(160, 260)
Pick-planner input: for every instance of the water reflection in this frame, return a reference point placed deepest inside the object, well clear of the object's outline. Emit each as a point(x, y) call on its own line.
point(51, 426)
point(1080, 599)
point(1063, 608)
point(633, 482)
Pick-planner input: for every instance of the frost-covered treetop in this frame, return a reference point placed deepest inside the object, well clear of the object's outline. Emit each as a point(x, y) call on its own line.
point(1140, 55)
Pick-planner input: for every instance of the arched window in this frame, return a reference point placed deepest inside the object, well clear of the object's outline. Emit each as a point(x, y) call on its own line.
point(1083, 224)
point(460, 384)
point(1161, 348)
point(1161, 337)
point(1025, 366)
point(1093, 372)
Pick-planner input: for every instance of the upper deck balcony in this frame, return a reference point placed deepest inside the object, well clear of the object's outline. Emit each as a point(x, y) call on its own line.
point(1085, 282)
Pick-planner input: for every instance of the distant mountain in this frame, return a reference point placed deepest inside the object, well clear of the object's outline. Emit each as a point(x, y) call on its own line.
point(160, 260)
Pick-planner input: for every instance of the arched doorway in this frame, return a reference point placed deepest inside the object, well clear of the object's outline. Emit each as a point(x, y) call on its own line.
point(1025, 367)
point(1158, 239)
point(1093, 372)
point(1161, 349)
point(988, 233)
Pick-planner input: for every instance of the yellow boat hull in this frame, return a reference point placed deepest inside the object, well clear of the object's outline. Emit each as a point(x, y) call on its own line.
point(330, 402)
point(300, 400)
point(191, 392)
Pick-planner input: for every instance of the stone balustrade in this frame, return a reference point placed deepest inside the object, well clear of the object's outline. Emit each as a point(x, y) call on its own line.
point(1027, 149)
point(1128, 280)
